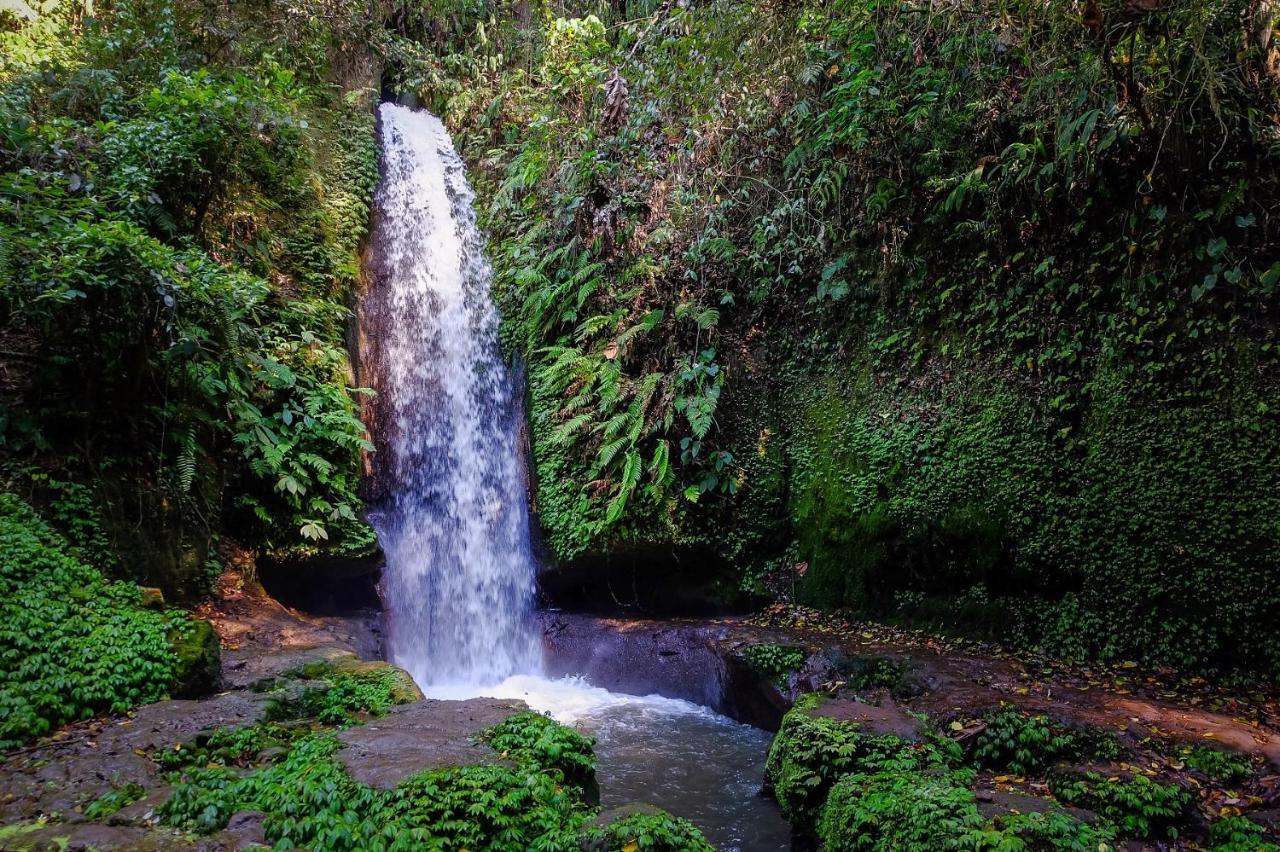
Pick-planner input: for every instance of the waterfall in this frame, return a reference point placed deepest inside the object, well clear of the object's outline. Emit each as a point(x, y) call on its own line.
point(450, 500)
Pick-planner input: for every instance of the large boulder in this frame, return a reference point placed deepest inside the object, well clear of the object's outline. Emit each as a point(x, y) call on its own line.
point(198, 652)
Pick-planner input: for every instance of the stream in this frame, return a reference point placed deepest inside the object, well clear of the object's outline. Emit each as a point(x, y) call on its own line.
point(675, 754)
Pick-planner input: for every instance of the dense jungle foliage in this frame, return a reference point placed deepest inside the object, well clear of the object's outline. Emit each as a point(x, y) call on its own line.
point(183, 192)
point(956, 312)
point(74, 644)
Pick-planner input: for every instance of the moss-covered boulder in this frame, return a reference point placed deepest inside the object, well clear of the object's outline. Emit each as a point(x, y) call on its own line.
point(821, 741)
point(198, 659)
point(402, 687)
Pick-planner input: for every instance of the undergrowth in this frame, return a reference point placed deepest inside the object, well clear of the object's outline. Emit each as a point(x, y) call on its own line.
point(73, 644)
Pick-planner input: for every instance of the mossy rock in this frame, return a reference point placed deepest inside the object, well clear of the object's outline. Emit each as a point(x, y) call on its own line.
point(822, 740)
point(403, 690)
point(198, 653)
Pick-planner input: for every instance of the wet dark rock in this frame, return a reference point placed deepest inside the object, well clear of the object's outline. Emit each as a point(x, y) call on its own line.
point(247, 827)
point(749, 697)
point(423, 736)
point(994, 804)
point(59, 777)
point(674, 659)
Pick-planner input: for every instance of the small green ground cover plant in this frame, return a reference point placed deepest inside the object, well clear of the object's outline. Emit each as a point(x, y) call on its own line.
point(1238, 834)
point(1024, 742)
point(1138, 806)
point(776, 662)
point(1223, 766)
point(73, 644)
point(113, 800)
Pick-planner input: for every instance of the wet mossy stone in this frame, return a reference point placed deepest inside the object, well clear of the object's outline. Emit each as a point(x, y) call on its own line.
point(403, 688)
point(198, 659)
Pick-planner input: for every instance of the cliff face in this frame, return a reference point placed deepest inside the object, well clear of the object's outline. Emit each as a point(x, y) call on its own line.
point(959, 314)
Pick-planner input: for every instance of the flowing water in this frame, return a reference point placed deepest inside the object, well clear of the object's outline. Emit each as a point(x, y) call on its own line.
point(453, 525)
point(451, 509)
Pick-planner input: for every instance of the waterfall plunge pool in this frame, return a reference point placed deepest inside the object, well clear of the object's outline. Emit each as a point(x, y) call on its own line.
point(677, 755)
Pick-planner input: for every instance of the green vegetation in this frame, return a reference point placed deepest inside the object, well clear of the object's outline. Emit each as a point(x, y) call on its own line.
point(894, 810)
point(181, 227)
point(74, 644)
point(310, 801)
point(775, 662)
point(898, 810)
point(344, 695)
point(110, 802)
point(1139, 806)
point(655, 832)
point(1238, 834)
point(1227, 767)
point(964, 306)
point(1024, 743)
point(810, 753)
point(853, 789)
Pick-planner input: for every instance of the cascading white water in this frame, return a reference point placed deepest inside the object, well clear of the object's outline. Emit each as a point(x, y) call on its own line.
point(451, 511)
point(459, 578)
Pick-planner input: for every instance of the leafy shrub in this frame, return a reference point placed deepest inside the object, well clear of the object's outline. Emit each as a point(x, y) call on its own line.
point(659, 832)
point(872, 672)
point(892, 810)
point(1023, 743)
point(228, 747)
point(775, 662)
point(1238, 834)
point(72, 643)
point(535, 740)
point(1227, 767)
point(896, 809)
point(1139, 807)
point(1045, 831)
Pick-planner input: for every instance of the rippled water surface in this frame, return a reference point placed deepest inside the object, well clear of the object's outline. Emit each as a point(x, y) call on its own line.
point(679, 756)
